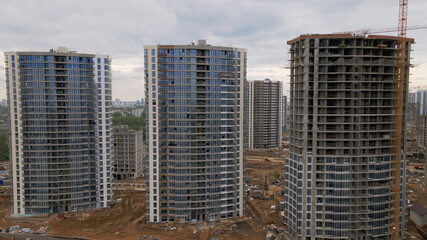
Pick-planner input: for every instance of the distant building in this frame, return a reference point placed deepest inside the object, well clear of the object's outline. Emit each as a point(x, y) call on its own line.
point(3, 102)
point(265, 114)
point(119, 103)
point(137, 112)
point(128, 153)
point(420, 99)
point(421, 126)
point(284, 114)
point(60, 116)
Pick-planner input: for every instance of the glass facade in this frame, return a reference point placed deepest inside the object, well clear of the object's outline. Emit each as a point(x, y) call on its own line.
point(55, 149)
point(194, 98)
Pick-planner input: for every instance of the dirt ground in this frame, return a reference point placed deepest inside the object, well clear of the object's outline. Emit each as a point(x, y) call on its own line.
point(417, 194)
point(257, 169)
point(276, 153)
point(417, 190)
point(126, 220)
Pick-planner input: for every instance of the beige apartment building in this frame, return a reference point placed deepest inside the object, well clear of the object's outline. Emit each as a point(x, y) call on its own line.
point(129, 153)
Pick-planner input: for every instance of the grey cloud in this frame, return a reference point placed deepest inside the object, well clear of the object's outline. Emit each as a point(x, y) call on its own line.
point(120, 28)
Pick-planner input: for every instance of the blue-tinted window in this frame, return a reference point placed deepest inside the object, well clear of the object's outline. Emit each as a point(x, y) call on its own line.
point(13, 57)
point(105, 61)
point(153, 51)
point(99, 60)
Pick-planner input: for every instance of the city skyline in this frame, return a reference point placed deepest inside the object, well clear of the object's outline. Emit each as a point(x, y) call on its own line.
point(121, 29)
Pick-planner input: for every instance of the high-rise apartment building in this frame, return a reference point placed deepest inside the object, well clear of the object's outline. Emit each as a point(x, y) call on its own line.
point(339, 181)
point(195, 147)
point(284, 114)
point(419, 98)
point(265, 114)
point(102, 76)
point(128, 153)
point(59, 103)
point(421, 126)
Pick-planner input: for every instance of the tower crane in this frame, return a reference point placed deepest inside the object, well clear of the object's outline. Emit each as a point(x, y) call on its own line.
point(400, 82)
point(398, 119)
point(365, 31)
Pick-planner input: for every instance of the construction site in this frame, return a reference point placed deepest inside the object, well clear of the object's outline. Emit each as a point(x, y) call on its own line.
point(126, 219)
point(352, 169)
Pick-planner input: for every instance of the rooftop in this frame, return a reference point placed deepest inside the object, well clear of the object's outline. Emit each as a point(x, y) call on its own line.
point(419, 209)
point(331, 35)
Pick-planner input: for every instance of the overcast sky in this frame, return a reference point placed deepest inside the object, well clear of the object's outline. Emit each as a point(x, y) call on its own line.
point(121, 28)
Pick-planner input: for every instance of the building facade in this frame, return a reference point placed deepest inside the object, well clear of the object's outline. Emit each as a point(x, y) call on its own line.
point(128, 153)
point(103, 77)
point(284, 114)
point(56, 153)
point(265, 114)
point(195, 146)
point(339, 173)
point(419, 98)
point(137, 112)
point(422, 130)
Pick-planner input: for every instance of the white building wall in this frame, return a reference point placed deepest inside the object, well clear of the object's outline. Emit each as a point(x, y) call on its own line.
point(152, 130)
point(102, 71)
point(250, 114)
point(13, 80)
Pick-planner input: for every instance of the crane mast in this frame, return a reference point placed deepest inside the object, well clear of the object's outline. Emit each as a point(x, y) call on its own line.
point(400, 85)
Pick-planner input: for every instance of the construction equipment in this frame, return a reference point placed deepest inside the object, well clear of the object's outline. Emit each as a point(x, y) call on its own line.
point(398, 118)
point(365, 31)
point(265, 184)
point(400, 83)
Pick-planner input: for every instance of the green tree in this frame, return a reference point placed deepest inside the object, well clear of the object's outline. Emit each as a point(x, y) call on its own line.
point(134, 123)
point(276, 174)
point(117, 114)
point(4, 147)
